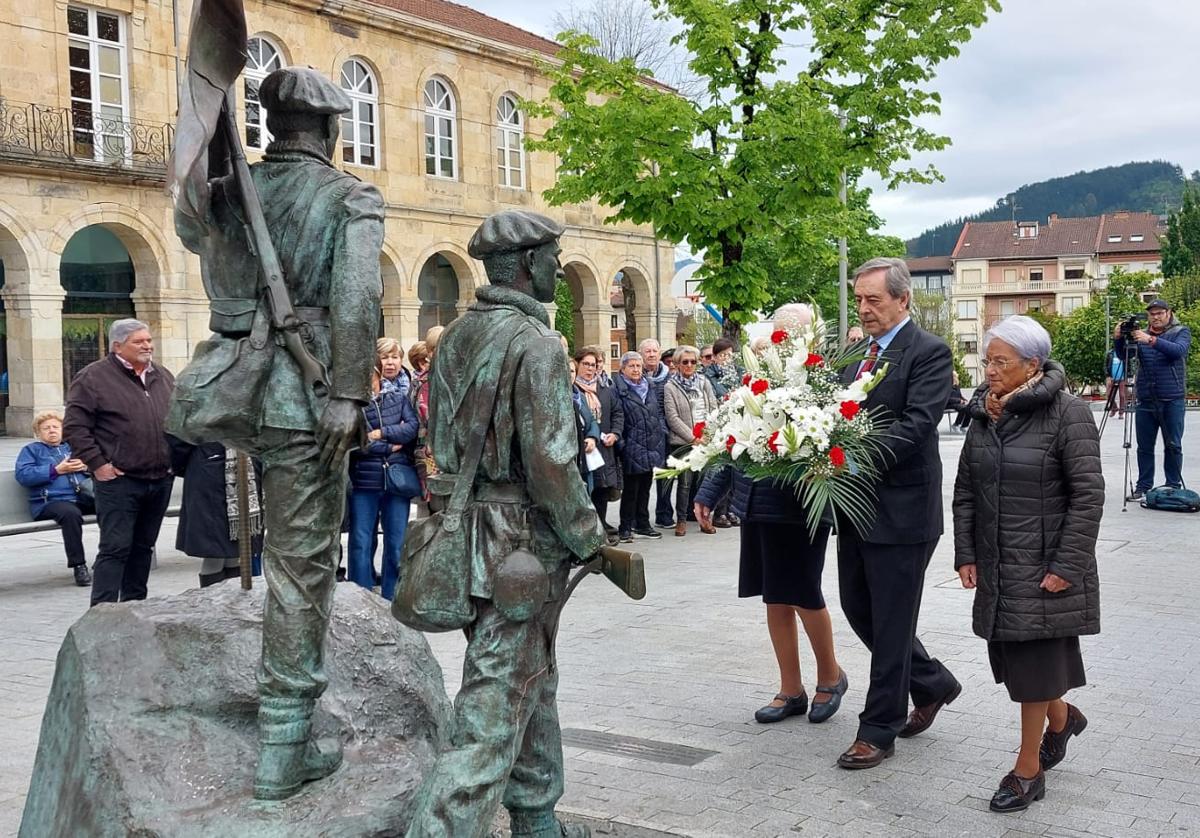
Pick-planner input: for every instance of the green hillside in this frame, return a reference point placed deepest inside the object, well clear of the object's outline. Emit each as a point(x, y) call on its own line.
point(1140, 187)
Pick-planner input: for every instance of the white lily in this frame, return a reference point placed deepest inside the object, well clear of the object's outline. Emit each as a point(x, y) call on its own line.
point(753, 405)
point(773, 361)
point(749, 359)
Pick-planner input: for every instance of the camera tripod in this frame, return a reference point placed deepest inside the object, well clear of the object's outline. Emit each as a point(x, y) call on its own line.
point(1128, 367)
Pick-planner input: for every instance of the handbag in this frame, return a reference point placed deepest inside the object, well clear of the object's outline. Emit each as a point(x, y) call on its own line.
point(85, 490)
point(399, 479)
point(434, 593)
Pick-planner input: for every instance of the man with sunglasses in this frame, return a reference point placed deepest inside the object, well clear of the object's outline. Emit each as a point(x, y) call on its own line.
point(706, 355)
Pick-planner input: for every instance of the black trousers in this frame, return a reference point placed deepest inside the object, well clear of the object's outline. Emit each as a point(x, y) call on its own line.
point(130, 512)
point(880, 586)
point(69, 518)
point(635, 502)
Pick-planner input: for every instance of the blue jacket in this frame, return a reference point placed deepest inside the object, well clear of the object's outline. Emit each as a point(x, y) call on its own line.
point(35, 471)
point(1162, 368)
point(643, 446)
point(398, 419)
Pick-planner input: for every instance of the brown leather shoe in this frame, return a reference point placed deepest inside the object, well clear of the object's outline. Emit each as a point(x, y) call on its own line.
point(681, 529)
point(708, 529)
point(863, 754)
point(921, 718)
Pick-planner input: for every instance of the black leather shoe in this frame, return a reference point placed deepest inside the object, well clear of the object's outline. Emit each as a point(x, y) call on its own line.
point(83, 576)
point(863, 754)
point(1016, 793)
point(821, 711)
point(1054, 745)
point(921, 718)
point(793, 705)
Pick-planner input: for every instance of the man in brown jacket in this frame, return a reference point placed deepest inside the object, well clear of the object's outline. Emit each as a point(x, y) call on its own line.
point(114, 423)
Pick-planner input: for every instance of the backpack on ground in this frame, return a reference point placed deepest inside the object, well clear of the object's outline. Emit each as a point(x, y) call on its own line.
point(1170, 499)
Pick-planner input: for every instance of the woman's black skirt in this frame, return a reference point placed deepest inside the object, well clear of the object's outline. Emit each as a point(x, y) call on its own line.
point(1037, 670)
point(780, 563)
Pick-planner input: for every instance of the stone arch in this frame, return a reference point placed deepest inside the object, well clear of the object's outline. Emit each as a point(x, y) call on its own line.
point(590, 311)
point(14, 274)
point(15, 252)
point(642, 310)
point(396, 281)
point(464, 267)
point(445, 286)
point(154, 270)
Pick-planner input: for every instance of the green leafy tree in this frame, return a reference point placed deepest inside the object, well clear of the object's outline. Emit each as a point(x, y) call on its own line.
point(1181, 245)
point(761, 147)
point(564, 315)
point(1181, 292)
point(1190, 317)
point(1082, 339)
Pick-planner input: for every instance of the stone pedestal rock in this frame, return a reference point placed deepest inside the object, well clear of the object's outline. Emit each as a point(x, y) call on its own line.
point(150, 728)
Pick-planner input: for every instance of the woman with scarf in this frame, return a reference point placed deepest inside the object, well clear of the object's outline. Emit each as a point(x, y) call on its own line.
point(209, 516)
point(643, 448)
point(688, 399)
point(602, 401)
point(391, 423)
point(1027, 507)
point(587, 430)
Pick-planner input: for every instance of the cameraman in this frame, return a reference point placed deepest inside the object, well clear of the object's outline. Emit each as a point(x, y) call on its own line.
point(1162, 350)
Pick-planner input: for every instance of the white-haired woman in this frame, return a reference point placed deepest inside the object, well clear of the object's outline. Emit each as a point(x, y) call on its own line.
point(643, 446)
point(688, 399)
point(1027, 507)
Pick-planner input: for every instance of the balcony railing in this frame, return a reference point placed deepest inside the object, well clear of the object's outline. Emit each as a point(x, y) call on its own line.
point(1024, 286)
point(44, 135)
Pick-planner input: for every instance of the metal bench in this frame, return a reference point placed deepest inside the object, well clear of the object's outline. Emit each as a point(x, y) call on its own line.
point(14, 507)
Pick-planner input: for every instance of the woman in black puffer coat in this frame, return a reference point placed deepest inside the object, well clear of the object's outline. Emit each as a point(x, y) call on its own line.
point(1027, 507)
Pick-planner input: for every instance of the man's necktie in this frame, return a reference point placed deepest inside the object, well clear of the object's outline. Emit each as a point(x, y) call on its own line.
point(868, 363)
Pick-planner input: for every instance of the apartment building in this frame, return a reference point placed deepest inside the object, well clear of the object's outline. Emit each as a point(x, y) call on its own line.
point(88, 93)
point(1002, 268)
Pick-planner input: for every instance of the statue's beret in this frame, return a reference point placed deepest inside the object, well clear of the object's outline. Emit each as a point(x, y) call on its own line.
point(507, 232)
point(302, 90)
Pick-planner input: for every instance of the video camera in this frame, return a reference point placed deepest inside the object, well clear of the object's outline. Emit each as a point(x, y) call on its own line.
point(1131, 323)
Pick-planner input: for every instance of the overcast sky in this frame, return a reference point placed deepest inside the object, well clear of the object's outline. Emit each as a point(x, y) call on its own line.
point(1045, 88)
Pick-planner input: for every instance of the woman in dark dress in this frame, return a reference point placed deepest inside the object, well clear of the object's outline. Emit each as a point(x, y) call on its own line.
point(782, 562)
point(1027, 507)
point(209, 525)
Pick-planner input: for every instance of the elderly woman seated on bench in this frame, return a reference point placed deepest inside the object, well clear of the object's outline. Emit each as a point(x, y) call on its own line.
point(59, 488)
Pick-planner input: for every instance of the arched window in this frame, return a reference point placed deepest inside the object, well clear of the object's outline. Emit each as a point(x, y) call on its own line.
point(510, 142)
point(97, 273)
point(263, 59)
point(439, 130)
point(359, 128)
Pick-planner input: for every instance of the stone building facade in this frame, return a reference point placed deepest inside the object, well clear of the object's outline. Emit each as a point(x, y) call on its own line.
point(88, 93)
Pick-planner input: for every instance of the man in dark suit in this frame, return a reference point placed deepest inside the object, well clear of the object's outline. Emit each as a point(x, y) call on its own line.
point(881, 570)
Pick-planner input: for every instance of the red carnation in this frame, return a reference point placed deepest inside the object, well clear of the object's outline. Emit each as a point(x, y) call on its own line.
point(813, 360)
point(759, 387)
point(837, 456)
point(772, 442)
point(779, 336)
point(850, 410)
point(745, 379)
point(698, 430)
point(730, 441)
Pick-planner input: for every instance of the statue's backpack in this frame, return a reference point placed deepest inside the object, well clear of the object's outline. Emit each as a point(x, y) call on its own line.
point(1170, 499)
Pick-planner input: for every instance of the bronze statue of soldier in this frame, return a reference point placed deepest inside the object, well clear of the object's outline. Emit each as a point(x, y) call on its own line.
point(527, 519)
point(250, 387)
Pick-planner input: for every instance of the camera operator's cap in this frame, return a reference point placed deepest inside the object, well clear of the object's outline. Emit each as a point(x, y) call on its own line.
point(302, 90)
point(511, 231)
point(1158, 304)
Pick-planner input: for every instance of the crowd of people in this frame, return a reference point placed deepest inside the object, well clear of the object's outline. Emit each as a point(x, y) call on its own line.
point(1027, 500)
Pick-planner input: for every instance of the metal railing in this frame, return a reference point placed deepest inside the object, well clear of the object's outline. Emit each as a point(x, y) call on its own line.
point(42, 134)
point(1024, 286)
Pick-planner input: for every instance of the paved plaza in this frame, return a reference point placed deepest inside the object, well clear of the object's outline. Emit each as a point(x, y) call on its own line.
point(657, 696)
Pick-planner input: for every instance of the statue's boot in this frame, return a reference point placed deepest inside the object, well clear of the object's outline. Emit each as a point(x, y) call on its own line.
point(541, 823)
point(288, 757)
